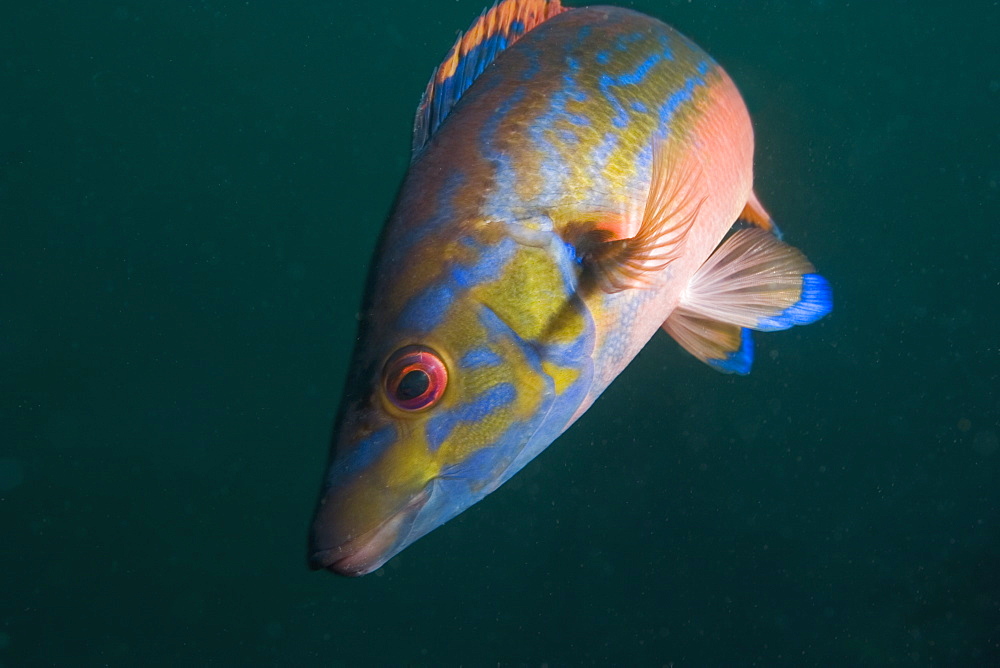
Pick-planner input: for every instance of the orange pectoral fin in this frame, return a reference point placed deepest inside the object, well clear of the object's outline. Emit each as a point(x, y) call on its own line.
point(671, 209)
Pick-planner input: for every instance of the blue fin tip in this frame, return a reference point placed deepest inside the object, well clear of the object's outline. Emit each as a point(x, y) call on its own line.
point(737, 361)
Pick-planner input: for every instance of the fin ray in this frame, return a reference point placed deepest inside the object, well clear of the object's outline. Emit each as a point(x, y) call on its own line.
point(724, 347)
point(755, 214)
point(670, 212)
point(495, 30)
point(754, 280)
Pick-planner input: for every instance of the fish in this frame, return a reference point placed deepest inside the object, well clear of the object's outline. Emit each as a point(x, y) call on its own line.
point(580, 179)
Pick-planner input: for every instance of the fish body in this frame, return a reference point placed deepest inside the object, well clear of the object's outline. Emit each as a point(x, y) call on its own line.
point(575, 181)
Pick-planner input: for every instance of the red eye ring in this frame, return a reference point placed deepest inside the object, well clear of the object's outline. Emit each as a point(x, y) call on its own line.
point(414, 378)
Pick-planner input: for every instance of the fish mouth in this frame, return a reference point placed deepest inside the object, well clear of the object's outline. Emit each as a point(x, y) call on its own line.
point(367, 552)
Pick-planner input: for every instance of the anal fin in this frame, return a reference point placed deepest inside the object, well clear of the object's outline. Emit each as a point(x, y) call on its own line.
point(724, 347)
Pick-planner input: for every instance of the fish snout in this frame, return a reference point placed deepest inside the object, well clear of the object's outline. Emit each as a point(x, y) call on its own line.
point(334, 546)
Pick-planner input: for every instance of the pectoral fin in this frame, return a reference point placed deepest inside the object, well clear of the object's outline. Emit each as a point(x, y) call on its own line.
point(670, 211)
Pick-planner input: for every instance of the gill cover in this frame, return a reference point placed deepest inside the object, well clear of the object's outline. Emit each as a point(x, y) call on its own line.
point(443, 422)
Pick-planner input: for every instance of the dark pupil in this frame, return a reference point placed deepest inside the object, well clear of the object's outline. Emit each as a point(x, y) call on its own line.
point(413, 384)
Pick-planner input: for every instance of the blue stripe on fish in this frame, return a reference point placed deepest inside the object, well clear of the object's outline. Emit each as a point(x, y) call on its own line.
point(478, 358)
point(427, 309)
point(604, 84)
point(604, 151)
point(640, 72)
point(477, 467)
point(679, 97)
point(568, 137)
point(498, 329)
point(664, 41)
point(622, 41)
point(491, 262)
point(364, 454)
point(440, 426)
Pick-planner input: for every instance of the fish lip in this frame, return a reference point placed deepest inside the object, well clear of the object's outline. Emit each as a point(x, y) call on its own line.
point(363, 554)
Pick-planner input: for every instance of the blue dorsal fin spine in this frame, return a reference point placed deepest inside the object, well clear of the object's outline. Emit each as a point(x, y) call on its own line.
point(496, 29)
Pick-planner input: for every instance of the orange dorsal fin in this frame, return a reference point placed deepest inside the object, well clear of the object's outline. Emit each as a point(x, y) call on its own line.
point(755, 214)
point(495, 30)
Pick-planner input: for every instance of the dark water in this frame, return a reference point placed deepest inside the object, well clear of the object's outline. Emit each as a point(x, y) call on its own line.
point(189, 192)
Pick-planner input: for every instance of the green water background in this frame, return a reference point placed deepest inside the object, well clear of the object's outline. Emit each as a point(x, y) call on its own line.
point(189, 194)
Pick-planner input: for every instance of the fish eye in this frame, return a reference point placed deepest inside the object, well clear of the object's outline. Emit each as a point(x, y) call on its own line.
point(414, 378)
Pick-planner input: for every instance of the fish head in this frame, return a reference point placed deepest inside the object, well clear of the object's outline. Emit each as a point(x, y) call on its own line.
point(465, 368)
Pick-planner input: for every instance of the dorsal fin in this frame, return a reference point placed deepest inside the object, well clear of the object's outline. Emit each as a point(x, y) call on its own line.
point(496, 29)
point(755, 214)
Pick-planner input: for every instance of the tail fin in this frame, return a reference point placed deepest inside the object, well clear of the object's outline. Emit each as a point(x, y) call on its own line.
point(752, 281)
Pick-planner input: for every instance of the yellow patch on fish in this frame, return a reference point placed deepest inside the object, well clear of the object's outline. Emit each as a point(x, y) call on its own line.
point(561, 376)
